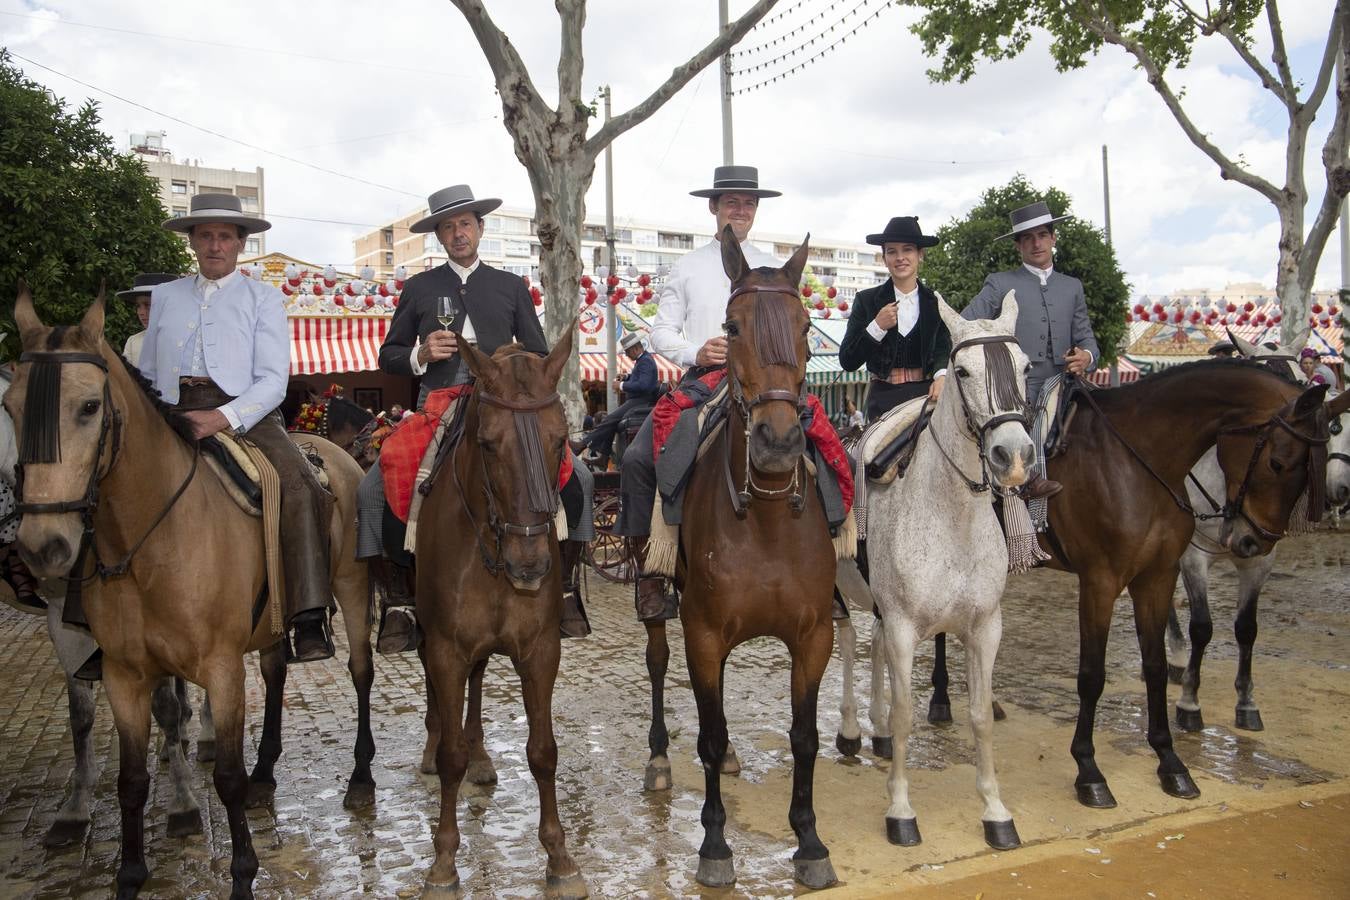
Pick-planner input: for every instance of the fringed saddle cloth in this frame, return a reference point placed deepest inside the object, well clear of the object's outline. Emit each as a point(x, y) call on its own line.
point(686, 422)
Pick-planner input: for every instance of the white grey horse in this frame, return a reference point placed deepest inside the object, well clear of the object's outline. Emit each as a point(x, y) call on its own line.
point(169, 705)
point(937, 556)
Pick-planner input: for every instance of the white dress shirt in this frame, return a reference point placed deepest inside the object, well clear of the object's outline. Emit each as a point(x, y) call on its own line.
point(418, 367)
point(906, 318)
point(693, 301)
point(131, 350)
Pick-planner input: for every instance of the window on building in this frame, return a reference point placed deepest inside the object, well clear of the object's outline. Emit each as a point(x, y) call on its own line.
point(253, 246)
point(674, 241)
point(430, 244)
point(179, 211)
point(593, 233)
point(203, 189)
point(179, 187)
point(387, 237)
point(517, 248)
point(623, 260)
point(248, 197)
point(490, 247)
point(644, 238)
point(516, 225)
point(518, 270)
point(493, 224)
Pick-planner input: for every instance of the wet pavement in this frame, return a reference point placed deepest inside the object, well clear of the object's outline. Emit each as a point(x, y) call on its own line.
point(631, 844)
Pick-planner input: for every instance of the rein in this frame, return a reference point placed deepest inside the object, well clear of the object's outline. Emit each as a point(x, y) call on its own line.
point(974, 432)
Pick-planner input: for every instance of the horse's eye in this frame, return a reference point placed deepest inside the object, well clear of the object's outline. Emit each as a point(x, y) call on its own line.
point(1026, 370)
point(1276, 466)
point(731, 328)
point(1334, 426)
point(90, 407)
point(961, 372)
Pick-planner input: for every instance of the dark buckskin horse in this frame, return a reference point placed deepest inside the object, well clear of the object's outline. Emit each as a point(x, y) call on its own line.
point(489, 581)
point(750, 502)
point(182, 565)
point(1122, 520)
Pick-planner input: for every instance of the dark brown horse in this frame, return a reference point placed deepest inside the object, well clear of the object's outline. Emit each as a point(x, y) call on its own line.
point(749, 501)
point(1122, 520)
point(489, 581)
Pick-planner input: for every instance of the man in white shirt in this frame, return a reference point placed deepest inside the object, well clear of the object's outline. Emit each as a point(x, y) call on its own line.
point(688, 330)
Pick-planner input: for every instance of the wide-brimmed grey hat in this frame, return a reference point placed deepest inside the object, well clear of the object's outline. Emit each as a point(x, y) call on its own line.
point(630, 339)
point(206, 209)
point(903, 230)
point(144, 282)
point(1033, 215)
point(451, 200)
point(736, 180)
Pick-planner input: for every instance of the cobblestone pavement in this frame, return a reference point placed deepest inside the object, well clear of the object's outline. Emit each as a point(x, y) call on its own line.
point(632, 844)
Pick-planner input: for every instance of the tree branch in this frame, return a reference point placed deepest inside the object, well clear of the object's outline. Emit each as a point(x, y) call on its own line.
point(678, 78)
point(1287, 95)
point(570, 61)
point(1308, 109)
point(512, 77)
point(1278, 53)
point(1336, 162)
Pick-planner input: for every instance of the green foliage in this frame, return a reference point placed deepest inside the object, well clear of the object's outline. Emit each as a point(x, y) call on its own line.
point(968, 252)
point(74, 213)
point(959, 33)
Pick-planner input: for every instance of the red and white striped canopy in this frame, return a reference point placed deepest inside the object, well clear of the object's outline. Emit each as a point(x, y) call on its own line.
point(1102, 376)
point(593, 367)
point(322, 345)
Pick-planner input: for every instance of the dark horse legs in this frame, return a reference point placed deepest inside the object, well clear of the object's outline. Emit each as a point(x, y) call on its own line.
point(130, 701)
point(940, 707)
point(479, 768)
point(657, 776)
point(262, 781)
point(1152, 592)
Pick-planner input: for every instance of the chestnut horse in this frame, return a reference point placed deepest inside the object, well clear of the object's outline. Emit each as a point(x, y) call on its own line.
point(182, 566)
point(1123, 521)
point(489, 581)
point(750, 500)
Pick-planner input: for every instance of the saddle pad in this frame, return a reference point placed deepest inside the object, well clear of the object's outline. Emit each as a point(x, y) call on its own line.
point(886, 430)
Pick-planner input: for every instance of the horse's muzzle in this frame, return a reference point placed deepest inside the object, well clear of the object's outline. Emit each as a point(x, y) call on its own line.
point(774, 452)
point(528, 577)
point(52, 557)
point(1011, 454)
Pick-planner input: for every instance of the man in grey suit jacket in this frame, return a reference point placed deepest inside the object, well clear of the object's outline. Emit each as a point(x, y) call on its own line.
point(1052, 320)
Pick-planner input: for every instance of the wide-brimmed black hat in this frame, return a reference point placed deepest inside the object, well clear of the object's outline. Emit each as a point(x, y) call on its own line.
point(736, 180)
point(448, 201)
point(903, 230)
point(141, 285)
point(1033, 215)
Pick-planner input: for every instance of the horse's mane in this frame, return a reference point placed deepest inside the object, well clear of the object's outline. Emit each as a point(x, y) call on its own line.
point(1255, 365)
point(168, 413)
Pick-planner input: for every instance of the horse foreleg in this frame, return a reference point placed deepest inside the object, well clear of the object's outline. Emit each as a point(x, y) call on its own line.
point(480, 769)
point(940, 706)
point(1152, 592)
point(129, 697)
point(185, 816)
point(879, 709)
point(72, 819)
point(811, 863)
point(731, 763)
point(225, 691)
point(902, 826)
point(432, 719)
point(705, 659)
point(354, 601)
point(1094, 626)
point(849, 739)
point(1251, 578)
point(450, 674)
point(657, 775)
point(1195, 577)
point(981, 649)
point(538, 674)
point(206, 738)
point(262, 783)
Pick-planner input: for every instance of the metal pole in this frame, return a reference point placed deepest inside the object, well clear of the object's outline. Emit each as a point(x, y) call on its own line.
point(611, 318)
point(1106, 202)
point(1345, 257)
point(723, 20)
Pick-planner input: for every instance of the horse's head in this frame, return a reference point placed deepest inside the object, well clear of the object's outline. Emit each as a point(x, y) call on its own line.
point(766, 330)
point(1282, 360)
point(522, 435)
point(1270, 466)
point(59, 403)
point(1338, 459)
point(989, 370)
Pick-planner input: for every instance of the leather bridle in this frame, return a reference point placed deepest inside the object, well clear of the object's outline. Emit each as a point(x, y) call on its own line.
point(979, 432)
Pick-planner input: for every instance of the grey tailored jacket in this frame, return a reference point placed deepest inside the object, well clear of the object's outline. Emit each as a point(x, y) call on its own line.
point(1051, 320)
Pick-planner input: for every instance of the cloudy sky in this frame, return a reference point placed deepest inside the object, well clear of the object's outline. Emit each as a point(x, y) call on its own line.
point(394, 100)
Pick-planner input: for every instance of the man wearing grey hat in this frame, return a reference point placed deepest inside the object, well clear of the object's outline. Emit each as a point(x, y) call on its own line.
point(641, 389)
point(218, 348)
point(139, 293)
point(688, 331)
point(1052, 321)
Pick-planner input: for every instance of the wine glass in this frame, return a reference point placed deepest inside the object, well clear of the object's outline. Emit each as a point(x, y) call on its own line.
point(445, 311)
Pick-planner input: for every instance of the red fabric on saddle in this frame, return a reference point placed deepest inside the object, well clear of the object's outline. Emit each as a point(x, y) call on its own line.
point(666, 412)
point(826, 439)
point(402, 451)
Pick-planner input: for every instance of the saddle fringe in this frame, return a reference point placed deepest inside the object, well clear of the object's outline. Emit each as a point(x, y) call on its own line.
point(663, 545)
point(846, 541)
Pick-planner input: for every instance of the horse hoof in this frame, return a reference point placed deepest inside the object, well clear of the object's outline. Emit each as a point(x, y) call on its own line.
point(448, 891)
point(849, 747)
point(566, 887)
point(731, 764)
point(260, 794)
point(1174, 673)
point(999, 714)
point(1248, 719)
point(63, 834)
point(428, 768)
point(1002, 835)
point(187, 822)
point(1179, 784)
point(882, 747)
point(814, 873)
point(480, 771)
point(1190, 720)
point(939, 714)
point(1096, 795)
point(360, 794)
point(715, 873)
point(903, 832)
point(206, 751)
point(656, 777)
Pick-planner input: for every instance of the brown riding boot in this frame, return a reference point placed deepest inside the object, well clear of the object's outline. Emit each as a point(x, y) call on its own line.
point(398, 632)
point(652, 603)
point(574, 622)
point(1039, 488)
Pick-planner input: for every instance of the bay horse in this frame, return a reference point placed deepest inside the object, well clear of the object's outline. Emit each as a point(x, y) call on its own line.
point(102, 463)
point(489, 581)
point(937, 555)
point(1122, 520)
point(749, 501)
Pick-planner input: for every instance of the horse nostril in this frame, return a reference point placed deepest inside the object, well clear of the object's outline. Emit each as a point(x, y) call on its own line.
point(1247, 547)
point(1001, 457)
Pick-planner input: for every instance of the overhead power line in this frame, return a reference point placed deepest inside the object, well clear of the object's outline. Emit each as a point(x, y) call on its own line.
point(837, 43)
point(800, 48)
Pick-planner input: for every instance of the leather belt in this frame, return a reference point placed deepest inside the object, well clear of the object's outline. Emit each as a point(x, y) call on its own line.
point(196, 381)
point(901, 376)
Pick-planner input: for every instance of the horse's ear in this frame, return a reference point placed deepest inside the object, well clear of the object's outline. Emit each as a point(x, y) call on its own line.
point(1308, 402)
point(480, 364)
point(25, 316)
point(1338, 404)
point(950, 317)
point(561, 352)
point(1007, 316)
point(733, 259)
point(92, 323)
point(1245, 349)
point(797, 264)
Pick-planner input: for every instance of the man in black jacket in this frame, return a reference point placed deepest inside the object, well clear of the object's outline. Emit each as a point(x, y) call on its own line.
point(641, 389)
point(895, 329)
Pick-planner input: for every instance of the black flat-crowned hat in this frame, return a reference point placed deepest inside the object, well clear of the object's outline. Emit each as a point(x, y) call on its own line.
point(903, 230)
point(216, 209)
point(448, 201)
point(140, 287)
point(735, 180)
point(1033, 215)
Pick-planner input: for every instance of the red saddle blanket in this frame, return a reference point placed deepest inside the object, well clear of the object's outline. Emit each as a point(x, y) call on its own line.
point(402, 451)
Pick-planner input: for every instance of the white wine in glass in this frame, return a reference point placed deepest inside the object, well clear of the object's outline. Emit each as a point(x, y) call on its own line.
point(445, 311)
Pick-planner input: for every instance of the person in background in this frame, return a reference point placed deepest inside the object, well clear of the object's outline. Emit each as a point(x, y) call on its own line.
point(139, 293)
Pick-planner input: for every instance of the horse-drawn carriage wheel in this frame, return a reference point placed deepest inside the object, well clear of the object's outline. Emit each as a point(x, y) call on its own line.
point(608, 553)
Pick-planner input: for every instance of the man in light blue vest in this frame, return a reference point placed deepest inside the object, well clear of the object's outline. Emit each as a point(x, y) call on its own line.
point(218, 348)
